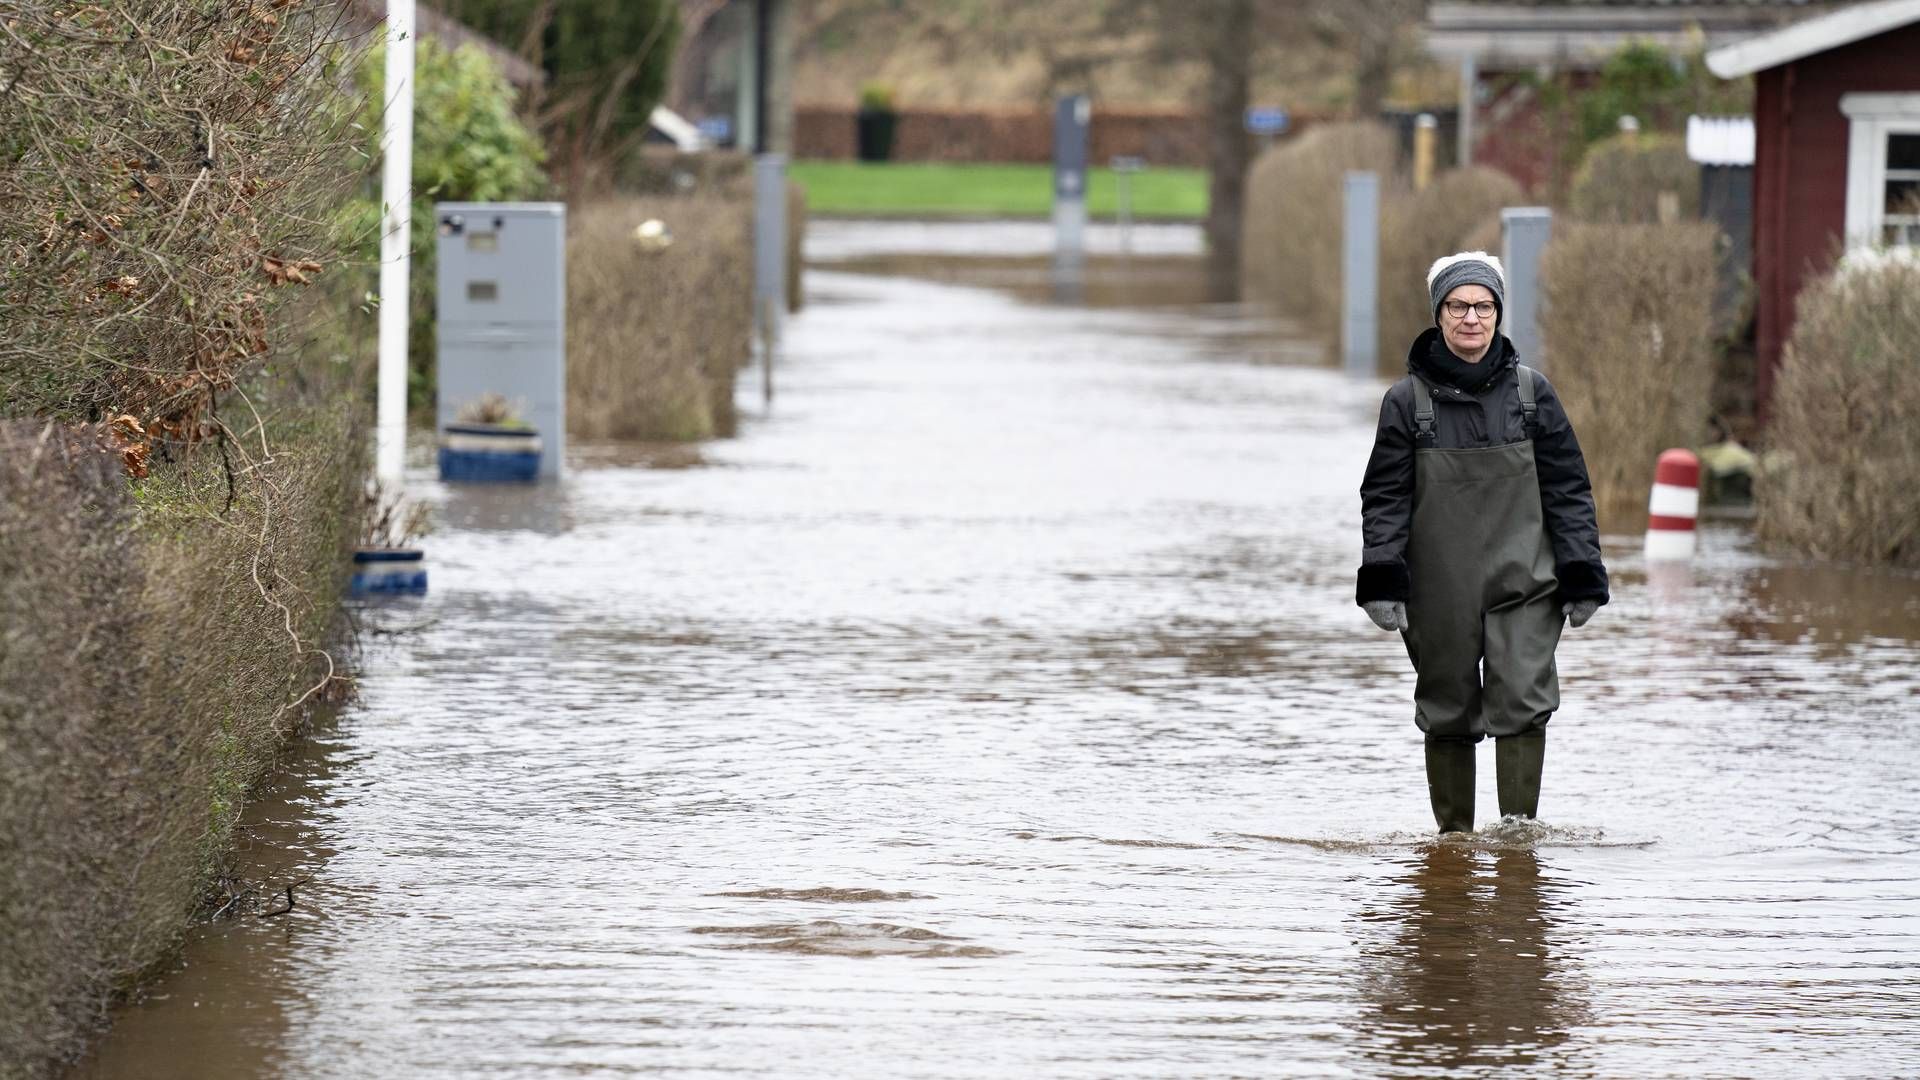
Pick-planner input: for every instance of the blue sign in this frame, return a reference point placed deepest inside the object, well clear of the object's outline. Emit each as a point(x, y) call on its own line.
point(718, 129)
point(1266, 121)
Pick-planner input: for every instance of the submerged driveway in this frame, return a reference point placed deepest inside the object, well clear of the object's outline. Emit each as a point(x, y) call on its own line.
point(996, 705)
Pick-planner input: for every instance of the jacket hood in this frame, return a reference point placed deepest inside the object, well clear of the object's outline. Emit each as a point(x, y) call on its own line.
point(1430, 359)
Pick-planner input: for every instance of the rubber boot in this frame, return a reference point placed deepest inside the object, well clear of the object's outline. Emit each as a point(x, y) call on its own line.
point(1450, 785)
point(1516, 769)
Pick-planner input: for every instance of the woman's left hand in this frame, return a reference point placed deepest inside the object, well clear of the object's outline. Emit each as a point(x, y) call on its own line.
point(1579, 611)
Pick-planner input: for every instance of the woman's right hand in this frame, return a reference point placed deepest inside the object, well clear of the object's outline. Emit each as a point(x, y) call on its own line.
point(1387, 614)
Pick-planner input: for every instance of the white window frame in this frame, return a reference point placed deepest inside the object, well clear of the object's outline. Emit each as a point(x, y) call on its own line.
point(1872, 117)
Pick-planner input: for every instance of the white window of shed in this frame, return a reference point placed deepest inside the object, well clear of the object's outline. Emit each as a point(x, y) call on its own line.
point(1883, 169)
point(1900, 223)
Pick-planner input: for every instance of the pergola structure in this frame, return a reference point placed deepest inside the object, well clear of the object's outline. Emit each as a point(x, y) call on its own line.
point(735, 64)
point(1550, 36)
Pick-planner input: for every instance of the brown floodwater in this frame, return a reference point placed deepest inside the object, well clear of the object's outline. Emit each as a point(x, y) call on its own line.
point(996, 705)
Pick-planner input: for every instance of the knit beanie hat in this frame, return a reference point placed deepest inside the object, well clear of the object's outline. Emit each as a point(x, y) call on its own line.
point(1467, 268)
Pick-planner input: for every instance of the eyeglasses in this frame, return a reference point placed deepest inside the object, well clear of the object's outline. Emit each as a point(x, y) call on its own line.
point(1458, 308)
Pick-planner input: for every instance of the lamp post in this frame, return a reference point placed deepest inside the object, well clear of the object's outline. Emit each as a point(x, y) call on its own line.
point(396, 198)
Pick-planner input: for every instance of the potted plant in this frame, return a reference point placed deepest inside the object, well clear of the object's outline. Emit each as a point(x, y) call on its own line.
point(488, 443)
point(875, 122)
point(385, 563)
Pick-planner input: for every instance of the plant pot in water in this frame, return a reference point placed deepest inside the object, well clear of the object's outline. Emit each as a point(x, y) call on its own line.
point(388, 572)
point(874, 131)
point(489, 454)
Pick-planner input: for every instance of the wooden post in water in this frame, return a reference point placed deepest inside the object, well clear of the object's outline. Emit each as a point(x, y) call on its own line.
point(1072, 116)
point(1124, 166)
point(1360, 282)
point(1426, 134)
point(1524, 232)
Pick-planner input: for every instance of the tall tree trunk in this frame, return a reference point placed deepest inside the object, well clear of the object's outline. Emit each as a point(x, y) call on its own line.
point(1373, 74)
point(1229, 51)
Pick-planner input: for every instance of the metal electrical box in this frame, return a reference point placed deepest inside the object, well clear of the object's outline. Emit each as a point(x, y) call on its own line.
point(502, 304)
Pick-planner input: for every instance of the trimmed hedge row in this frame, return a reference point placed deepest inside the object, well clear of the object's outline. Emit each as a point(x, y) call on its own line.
point(1846, 423)
point(173, 518)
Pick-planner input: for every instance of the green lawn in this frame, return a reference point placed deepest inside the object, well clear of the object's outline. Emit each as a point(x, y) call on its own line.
point(933, 189)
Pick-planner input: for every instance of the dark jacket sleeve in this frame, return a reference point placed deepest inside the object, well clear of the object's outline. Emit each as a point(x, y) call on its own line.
point(1566, 503)
point(1386, 504)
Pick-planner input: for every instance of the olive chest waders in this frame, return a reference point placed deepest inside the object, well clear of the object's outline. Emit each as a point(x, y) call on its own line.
point(1483, 619)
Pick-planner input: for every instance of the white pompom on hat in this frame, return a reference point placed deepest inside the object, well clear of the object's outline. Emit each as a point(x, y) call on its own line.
point(1466, 268)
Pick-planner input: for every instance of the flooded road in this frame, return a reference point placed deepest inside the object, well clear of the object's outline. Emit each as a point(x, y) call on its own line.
point(996, 705)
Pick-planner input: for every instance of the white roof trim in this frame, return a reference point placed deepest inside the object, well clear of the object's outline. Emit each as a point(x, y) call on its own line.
point(1783, 46)
point(1516, 36)
point(1720, 140)
point(1880, 106)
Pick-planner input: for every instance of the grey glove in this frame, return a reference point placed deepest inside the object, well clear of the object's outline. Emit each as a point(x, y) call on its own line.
point(1387, 614)
point(1579, 611)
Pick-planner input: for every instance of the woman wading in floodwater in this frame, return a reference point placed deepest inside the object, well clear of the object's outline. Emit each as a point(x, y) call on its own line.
point(1480, 541)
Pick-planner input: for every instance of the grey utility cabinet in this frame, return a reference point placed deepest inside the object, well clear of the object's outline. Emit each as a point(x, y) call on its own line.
point(502, 304)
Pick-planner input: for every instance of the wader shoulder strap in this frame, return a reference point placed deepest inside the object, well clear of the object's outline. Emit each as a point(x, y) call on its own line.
point(1529, 411)
point(1422, 410)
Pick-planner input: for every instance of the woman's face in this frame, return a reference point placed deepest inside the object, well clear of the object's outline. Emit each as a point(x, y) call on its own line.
point(1469, 335)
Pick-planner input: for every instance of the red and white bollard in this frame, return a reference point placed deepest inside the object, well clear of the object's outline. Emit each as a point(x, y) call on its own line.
point(1674, 507)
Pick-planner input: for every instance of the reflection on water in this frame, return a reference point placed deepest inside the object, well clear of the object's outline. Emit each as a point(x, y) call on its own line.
point(1111, 281)
point(544, 508)
point(1829, 604)
point(1473, 969)
point(996, 705)
point(224, 1011)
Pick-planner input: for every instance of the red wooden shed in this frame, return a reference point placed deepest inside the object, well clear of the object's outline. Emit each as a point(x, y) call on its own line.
point(1836, 150)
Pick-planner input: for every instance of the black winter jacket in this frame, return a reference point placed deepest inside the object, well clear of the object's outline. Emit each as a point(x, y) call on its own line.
point(1484, 414)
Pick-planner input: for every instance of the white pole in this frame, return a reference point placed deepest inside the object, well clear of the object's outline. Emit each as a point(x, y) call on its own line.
point(1360, 275)
point(396, 197)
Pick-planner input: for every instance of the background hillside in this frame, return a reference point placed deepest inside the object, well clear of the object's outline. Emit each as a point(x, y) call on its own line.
point(1014, 52)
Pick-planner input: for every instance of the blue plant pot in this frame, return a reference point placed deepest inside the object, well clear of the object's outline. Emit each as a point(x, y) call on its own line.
point(388, 572)
point(489, 454)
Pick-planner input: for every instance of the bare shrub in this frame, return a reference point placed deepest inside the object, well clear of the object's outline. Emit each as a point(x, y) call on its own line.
point(153, 656)
point(663, 170)
point(1418, 227)
point(1621, 179)
point(1291, 241)
point(1487, 234)
point(390, 520)
point(493, 409)
point(1627, 328)
point(171, 169)
point(655, 339)
point(1846, 418)
point(67, 567)
point(173, 172)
